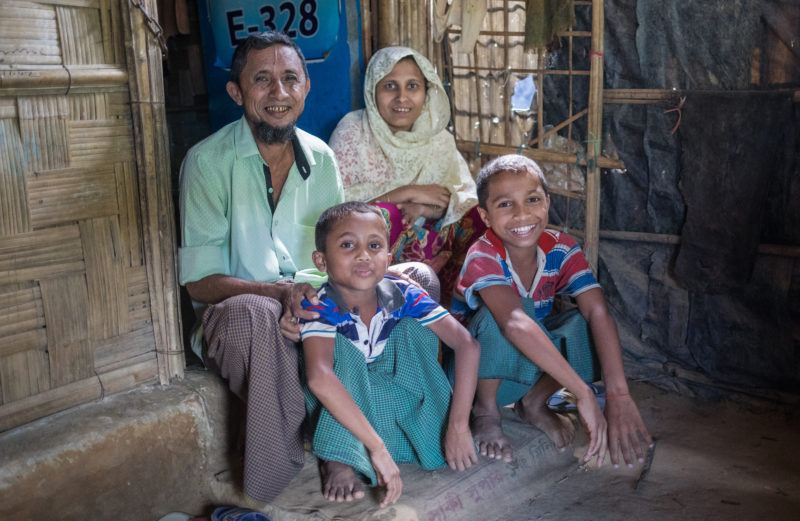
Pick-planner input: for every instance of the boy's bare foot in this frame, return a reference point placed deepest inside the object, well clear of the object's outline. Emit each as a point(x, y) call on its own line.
point(492, 442)
point(557, 427)
point(339, 482)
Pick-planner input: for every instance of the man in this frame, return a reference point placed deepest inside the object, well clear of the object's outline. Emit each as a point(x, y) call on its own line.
point(250, 196)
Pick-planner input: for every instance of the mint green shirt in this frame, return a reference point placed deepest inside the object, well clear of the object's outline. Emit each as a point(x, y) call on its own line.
point(227, 224)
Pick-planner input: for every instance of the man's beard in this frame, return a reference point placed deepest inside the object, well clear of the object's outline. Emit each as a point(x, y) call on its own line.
point(271, 135)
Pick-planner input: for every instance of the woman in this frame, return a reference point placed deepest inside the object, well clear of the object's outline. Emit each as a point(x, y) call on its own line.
point(397, 153)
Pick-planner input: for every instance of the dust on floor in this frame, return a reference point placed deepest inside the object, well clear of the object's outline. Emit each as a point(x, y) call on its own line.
point(712, 461)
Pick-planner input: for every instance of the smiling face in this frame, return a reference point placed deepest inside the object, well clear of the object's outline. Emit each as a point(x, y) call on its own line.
point(400, 95)
point(272, 89)
point(356, 254)
point(516, 210)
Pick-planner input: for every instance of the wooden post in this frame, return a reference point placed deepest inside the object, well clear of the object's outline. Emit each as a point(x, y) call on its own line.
point(388, 23)
point(593, 146)
point(152, 159)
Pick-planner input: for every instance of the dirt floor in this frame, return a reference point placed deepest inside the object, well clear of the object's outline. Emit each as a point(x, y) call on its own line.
point(735, 459)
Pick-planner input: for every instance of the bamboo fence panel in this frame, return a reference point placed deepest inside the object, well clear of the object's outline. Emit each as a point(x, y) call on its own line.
point(88, 292)
point(483, 83)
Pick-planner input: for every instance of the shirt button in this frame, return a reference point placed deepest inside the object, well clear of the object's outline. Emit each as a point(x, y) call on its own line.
point(366, 342)
point(270, 189)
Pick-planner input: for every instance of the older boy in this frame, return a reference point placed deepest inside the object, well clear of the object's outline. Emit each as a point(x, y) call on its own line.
point(511, 277)
point(377, 393)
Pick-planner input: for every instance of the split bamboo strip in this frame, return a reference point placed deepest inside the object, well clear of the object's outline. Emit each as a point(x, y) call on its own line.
point(520, 70)
point(594, 126)
point(130, 221)
point(144, 372)
point(538, 154)
point(138, 299)
point(49, 402)
point(105, 277)
point(508, 92)
point(65, 303)
point(58, 81)
point(152, 156)
point(639, 96)
point(61, 196)
point(115, 352)
point(32, 340)
point(46, 253)
point(14, 218)
point(20, 311)
point(24, 374)
point(567, 122)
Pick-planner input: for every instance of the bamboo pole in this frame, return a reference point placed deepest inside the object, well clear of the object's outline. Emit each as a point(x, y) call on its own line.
point(58, 81)
point(152, 158)
point(594, 126)
point(538, 154)
point(388, 23)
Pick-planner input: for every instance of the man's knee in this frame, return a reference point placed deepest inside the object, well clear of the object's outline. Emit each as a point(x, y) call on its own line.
point(248, 308)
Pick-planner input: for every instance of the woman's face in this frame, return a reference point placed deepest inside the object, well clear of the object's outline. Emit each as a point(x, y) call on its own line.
point(400, 95)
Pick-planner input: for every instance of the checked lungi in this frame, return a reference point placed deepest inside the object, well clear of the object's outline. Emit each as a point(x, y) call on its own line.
point(404, 394)
point(245, 346)
point(568, 331)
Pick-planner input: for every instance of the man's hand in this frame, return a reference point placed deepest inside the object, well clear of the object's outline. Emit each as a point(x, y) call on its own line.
point(292, 295)
point(627, 434)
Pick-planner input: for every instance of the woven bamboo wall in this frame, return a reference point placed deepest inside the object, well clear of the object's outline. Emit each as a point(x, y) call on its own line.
point(87, 290)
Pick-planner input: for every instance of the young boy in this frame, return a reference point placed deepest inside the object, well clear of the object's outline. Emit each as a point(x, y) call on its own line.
point(511, 276)
point(377, 393)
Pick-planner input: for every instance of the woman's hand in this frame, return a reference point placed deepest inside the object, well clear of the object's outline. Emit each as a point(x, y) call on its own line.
point(432, 195)
point(388, 474)
point(413, 211)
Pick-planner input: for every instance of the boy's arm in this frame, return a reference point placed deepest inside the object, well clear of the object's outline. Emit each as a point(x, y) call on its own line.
point(526, 335)
point(625, 425)
point(327, 387)
point(459, 447)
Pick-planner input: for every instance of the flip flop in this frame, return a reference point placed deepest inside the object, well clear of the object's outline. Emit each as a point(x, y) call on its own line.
point(564, 401)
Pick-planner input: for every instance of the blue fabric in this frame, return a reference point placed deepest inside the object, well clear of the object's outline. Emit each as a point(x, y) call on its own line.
point(238, 514)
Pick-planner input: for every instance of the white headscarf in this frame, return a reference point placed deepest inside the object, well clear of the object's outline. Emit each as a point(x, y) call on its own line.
point(373, 160)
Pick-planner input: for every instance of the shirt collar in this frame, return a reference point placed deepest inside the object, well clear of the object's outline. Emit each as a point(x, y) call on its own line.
point(245, 145)
point(390, 296)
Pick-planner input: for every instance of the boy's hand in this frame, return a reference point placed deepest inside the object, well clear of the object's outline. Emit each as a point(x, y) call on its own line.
point(626, 431)
point(388, 475)
point(459, 449)
point(596, 427)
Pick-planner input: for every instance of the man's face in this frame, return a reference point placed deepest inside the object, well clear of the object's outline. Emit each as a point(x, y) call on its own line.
point(272, 90)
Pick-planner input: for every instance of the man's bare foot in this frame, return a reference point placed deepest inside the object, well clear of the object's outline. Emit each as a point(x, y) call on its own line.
point(557, 427)
point(492, 442)
point(339, 482)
